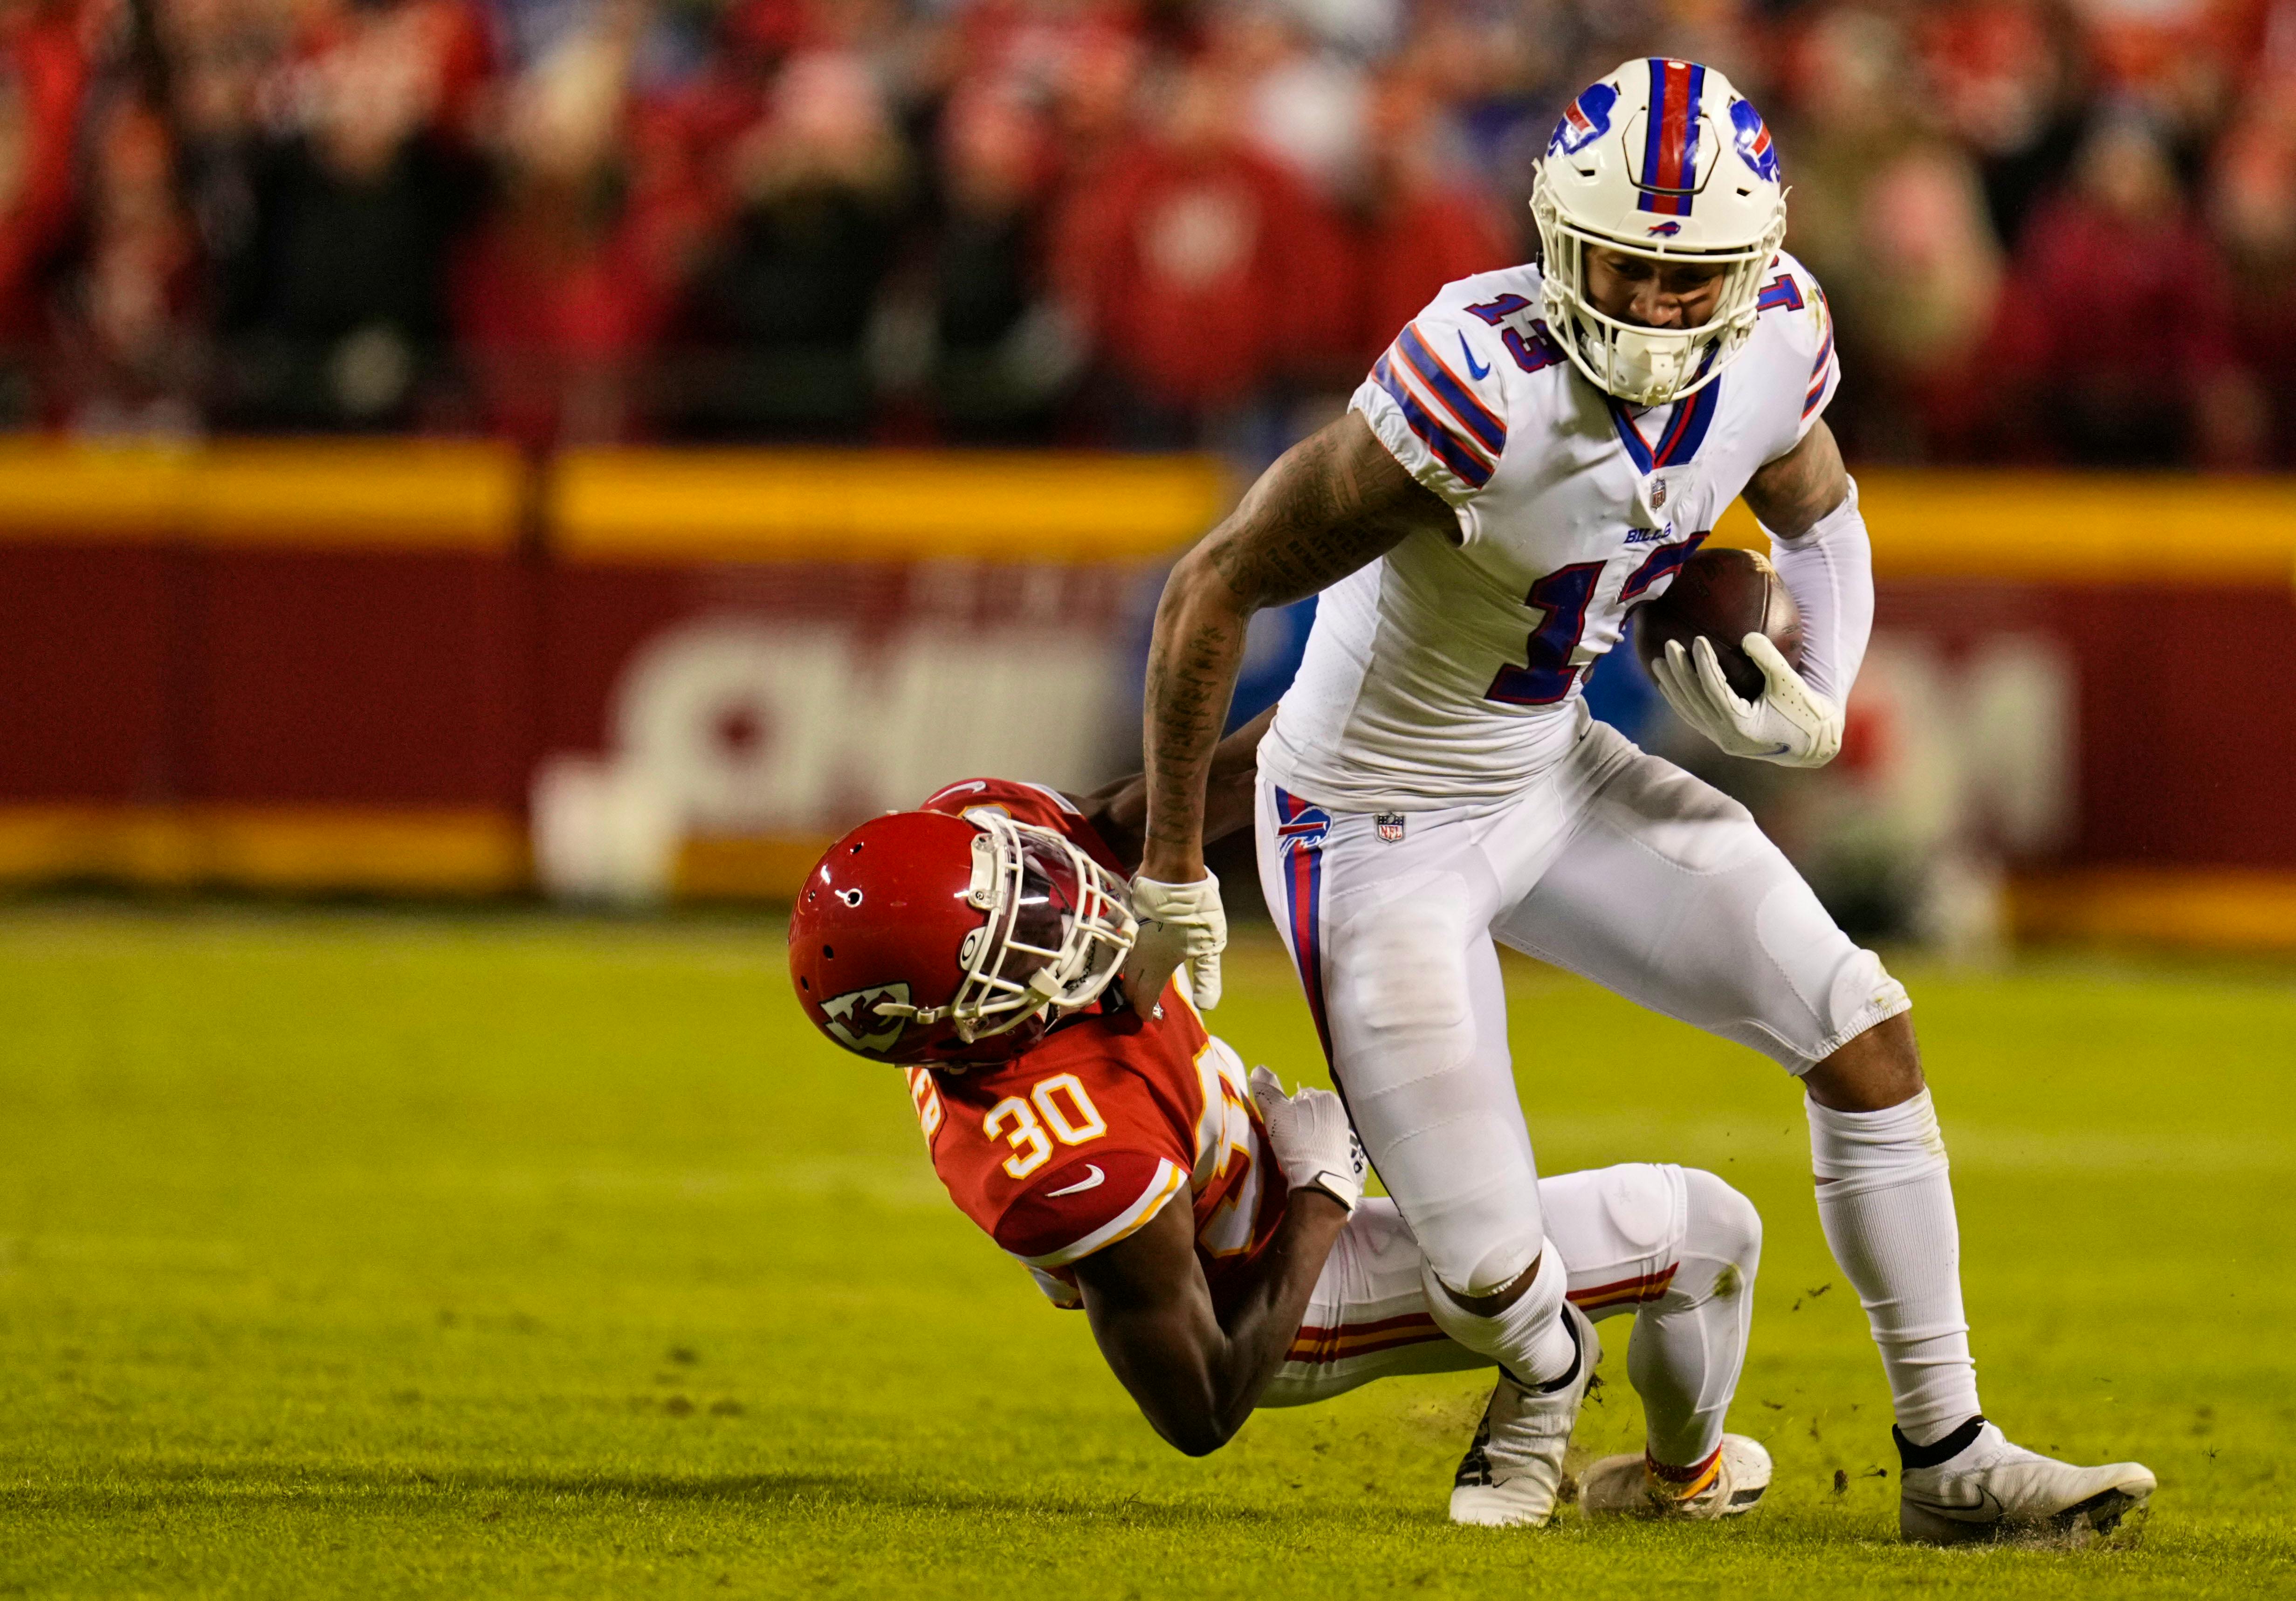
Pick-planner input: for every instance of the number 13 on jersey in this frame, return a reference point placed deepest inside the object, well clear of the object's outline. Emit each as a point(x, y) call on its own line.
point(1549, 669)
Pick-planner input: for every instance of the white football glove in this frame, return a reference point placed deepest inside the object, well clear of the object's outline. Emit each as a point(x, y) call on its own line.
point(1791, 725)
point(1178, 924)
point(1313, 1142)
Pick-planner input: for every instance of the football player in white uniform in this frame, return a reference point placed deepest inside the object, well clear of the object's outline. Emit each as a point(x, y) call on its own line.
point(1541, 449)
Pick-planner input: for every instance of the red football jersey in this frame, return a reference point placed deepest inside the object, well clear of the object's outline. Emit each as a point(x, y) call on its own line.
point(1082, 1140)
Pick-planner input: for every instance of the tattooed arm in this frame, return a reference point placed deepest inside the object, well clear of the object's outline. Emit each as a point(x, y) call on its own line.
point(1792, 494)
point(1336, 502)
point(1119, 811)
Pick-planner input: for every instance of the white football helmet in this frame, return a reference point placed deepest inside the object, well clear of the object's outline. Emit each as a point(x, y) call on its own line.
point(1661, 159)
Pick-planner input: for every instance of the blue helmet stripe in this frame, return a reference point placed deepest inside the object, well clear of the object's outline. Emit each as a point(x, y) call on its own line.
point(1690, 136)
point(1653, 123)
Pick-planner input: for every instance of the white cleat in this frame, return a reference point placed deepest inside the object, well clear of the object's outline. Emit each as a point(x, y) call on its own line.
point(1990, 1490)
point(1627, 1487)
point(1513, 1474)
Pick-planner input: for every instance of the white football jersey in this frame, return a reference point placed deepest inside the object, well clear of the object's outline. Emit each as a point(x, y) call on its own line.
point(1450, 671)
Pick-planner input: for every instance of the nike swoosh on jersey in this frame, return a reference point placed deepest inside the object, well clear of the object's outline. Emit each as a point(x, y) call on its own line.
point(1092, 1183)
point(1475, 369)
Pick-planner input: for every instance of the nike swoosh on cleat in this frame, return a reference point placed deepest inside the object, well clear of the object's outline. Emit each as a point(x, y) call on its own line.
point(1474, 368)
point(1986, 1507)
point(1092, 1183)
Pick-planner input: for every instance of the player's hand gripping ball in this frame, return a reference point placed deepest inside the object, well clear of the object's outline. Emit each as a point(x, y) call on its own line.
point(1749, 696)
point(1314, 1144)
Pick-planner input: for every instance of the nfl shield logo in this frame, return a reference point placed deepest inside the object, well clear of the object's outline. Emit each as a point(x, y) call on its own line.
point(1389, 825)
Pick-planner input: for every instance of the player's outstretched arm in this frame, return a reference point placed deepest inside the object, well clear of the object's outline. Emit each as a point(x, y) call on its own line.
point(1335, 501)
point(1197, 1375)
point(1119, 811)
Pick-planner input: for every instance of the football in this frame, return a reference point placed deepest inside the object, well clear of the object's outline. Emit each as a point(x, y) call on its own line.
point(1725, 595)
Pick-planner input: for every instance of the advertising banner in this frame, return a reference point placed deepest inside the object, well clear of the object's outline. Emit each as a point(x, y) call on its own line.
point(745, 655)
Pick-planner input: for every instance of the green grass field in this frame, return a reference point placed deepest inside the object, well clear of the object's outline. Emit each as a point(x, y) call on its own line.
point(395, 1255)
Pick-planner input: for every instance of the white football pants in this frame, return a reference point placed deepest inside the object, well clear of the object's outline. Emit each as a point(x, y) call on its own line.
point(1677, 1248)
point(1614, 863)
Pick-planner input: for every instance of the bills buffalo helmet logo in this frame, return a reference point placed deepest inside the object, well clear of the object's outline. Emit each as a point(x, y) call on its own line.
point(1665, 230)
point(852, 1017)
point(1752, 135)
point(1587, 120)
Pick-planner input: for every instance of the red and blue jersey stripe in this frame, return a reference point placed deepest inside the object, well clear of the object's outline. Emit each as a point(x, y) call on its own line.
point(1450, 419)
point(1479, 420)
point(1670, 138)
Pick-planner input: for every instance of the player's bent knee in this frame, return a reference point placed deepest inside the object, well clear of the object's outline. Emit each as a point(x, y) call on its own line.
point(1873, 1071)
point(1486, 1276)
point(1723, 1224)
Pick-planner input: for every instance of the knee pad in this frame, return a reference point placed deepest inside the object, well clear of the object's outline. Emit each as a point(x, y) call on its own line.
point(1723, 1224)
point(1480, 1266)
point(1399, 961)
point(1528, 1338)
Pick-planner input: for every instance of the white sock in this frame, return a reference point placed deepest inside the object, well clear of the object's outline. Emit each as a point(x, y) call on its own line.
point(1889, 1217)
point(1528, 1339)
point(1689, 1345)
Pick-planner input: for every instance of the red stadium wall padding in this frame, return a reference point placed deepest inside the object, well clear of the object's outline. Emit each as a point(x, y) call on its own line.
point(92, 648)
point(303, 666)
point(383, 679)
point(401, 666)
point(2180, 759)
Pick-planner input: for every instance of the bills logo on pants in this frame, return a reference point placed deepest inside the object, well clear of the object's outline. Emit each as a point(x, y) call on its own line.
point(1301, 828)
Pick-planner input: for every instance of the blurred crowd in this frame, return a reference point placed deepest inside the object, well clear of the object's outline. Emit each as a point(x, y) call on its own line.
point(2052, 230)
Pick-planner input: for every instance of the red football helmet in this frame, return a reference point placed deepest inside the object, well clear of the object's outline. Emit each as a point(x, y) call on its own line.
point(925, 938)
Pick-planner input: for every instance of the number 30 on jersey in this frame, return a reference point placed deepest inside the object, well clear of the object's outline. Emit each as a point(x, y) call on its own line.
point(1058, 1105)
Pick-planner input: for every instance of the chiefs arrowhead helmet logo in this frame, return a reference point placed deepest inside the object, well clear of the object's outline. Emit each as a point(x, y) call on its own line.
point(853, 1020)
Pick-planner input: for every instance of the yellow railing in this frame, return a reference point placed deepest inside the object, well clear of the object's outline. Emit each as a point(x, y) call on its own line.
point(638, 504)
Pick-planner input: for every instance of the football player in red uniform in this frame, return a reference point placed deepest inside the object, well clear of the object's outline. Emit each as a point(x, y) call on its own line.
point(975, 942)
